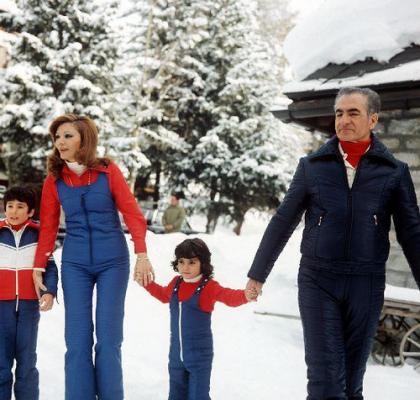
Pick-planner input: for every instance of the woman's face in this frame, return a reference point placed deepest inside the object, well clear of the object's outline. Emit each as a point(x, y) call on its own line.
point(67, 141)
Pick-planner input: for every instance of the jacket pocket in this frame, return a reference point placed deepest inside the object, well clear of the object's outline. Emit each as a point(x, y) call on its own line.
point(330, 240)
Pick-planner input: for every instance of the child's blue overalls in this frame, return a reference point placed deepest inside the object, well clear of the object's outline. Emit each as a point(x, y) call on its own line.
point(191, 351)
point(94, 253)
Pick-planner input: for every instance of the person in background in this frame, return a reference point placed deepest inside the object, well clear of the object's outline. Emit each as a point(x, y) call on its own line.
point(174, 215)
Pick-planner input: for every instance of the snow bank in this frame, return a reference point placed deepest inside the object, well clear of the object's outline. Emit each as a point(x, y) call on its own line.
point(345, 32)
point(256, 357)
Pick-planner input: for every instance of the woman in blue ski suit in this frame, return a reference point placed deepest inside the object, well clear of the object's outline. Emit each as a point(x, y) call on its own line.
point(91, 191)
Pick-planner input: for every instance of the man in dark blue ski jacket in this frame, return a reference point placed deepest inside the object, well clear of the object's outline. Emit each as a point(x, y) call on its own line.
point(349, 189)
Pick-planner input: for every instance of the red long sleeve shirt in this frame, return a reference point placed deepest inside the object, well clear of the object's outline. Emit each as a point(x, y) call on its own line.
point(50, 208)
point(211, 293)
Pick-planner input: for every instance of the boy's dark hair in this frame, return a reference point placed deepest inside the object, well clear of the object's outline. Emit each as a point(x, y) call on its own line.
point(191, 248)
point(24, 194)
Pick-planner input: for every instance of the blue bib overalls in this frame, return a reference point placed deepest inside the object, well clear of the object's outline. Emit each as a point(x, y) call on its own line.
point(94, 254)
point(191, 350)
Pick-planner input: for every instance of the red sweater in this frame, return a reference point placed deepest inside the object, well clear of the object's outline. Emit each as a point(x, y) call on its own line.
point(211, 293)
point(50, 208)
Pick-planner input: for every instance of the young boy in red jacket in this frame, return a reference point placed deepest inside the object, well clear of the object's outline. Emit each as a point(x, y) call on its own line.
point(191, 297)
point(19, 304)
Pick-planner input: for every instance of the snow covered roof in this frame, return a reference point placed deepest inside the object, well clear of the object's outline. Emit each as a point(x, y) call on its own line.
point(9, 6)
point(408, 72)
point(345, 32)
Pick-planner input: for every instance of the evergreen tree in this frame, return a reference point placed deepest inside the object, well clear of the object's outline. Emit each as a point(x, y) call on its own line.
point(242, 155)
point(163, 78)
point(62, 61)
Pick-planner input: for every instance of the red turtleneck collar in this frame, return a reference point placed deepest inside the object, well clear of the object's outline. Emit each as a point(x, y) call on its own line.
point(18, 227)
point(354, 150)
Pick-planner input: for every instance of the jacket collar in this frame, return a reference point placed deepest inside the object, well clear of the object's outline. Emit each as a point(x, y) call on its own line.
point(29, 224)
point(66, 171)
point(377, 150)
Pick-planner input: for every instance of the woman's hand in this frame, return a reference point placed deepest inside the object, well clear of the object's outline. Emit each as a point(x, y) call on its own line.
point(143, 271)
point(38, 282)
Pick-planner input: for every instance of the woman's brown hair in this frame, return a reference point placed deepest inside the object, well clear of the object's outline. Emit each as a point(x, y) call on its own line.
point(89, 142)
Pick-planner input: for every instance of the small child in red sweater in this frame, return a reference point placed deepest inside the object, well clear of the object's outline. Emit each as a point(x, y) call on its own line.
point(192, 296)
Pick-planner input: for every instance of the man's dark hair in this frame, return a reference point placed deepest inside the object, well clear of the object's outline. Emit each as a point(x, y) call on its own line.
point(178, 195)
point(373, 99)
point(24, 194)
point(191, 248)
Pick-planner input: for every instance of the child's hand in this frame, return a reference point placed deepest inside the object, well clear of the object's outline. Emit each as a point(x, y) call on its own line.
point(46, 302)
point(251, 294)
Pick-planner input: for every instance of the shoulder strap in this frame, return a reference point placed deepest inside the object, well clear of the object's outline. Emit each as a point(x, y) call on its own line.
point(202, 284)
point(177, 283)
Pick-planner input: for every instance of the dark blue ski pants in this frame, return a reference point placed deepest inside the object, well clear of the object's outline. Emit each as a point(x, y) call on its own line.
point(340, 314)
point(18, 337)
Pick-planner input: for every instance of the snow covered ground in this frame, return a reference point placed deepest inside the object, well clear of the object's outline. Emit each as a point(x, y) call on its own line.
point(256, 357)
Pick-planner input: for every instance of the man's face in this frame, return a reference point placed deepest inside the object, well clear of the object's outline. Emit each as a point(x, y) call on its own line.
point(173, 201)
point(352, 121)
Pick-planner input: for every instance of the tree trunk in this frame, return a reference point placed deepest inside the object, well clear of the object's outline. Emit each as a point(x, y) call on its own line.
point(156, 195)
point(239, 219)
point(213, 214)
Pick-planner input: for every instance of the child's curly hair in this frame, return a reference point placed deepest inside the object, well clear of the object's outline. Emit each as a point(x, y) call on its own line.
point(191, 248)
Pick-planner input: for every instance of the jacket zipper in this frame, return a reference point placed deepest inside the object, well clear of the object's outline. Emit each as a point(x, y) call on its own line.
point(349, 223)
point(321, 217)
point(89, 230)
point(181, 355)
point(375, 219)
point(17, 237)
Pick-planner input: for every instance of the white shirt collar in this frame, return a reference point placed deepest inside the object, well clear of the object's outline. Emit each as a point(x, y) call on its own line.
point(77, 168)
point(193, 280)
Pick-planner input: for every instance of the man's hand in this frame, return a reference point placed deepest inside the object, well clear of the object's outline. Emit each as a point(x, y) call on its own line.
point(38, 283)
point(253, 287)
point(46, 302)
point(251, 294)
point(143, 271)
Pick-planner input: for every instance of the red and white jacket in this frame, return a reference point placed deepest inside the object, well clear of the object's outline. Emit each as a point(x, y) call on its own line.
point(211, 293)
point(124, 201)
point(17, 251)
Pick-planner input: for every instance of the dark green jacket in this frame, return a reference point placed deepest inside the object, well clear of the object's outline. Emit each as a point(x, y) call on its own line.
point(174, 215)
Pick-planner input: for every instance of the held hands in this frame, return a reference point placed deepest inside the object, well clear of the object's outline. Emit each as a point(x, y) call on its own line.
point(38, 283)
point(143, 271)
point(46, 301)
point(251, 294)
point(253, 290)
